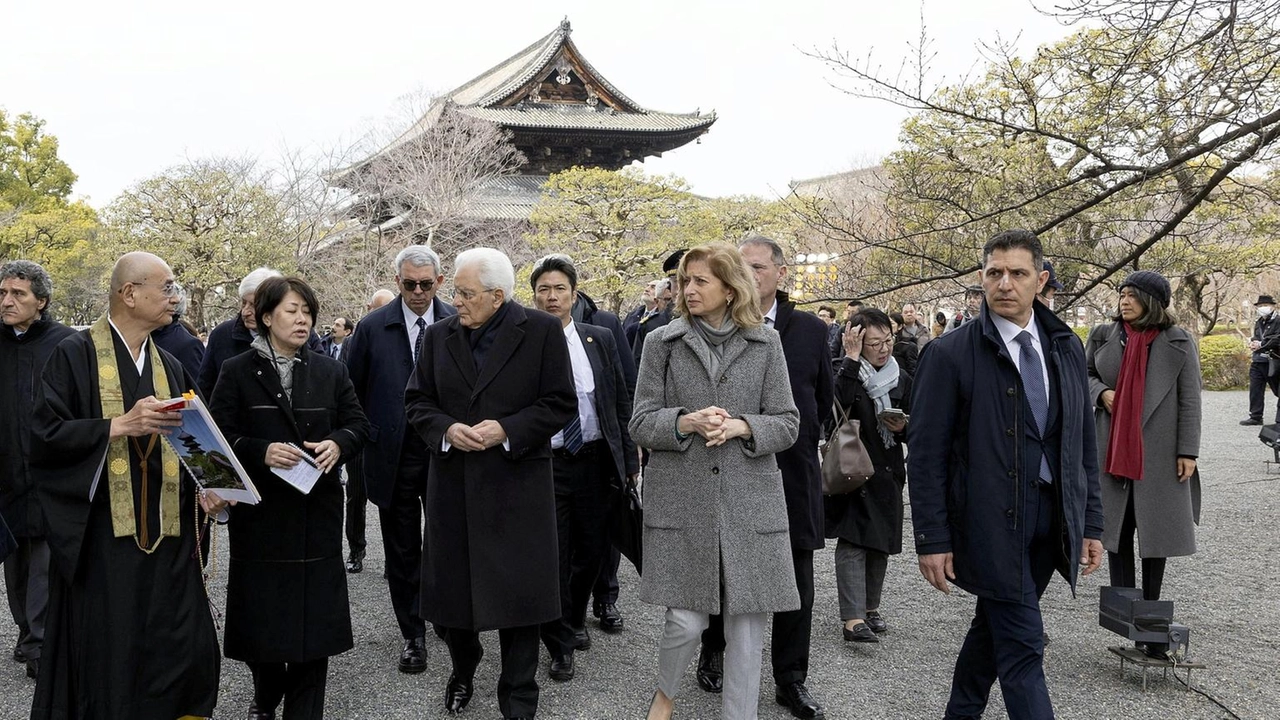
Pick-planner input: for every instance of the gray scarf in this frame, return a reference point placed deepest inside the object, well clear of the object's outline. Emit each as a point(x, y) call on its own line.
point(715, 339)
point(283, 365)
point(878, 383)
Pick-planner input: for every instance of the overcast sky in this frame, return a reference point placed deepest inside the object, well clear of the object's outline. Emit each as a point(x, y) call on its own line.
point(131, 88)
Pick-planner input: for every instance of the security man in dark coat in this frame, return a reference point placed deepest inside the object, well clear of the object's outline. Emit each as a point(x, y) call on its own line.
point(380, 357)
point(491, 389)
point(652, 322)
point(589, 458)
point(804, 343)
point(1004, 475)
point(1265, 340)
point(27, 338)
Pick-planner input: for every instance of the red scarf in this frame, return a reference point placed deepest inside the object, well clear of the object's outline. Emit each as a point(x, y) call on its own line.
point(1124, 453)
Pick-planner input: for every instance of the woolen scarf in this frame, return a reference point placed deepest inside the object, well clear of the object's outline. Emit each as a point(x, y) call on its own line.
point(283, 365)
point(481, 338)
point(1124, 453)
point(878, 383)
point(715, 339)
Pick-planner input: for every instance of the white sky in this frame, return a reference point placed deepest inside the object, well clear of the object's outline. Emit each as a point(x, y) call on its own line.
point(131, 88)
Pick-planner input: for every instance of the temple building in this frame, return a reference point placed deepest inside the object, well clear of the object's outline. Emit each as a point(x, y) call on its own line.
point(559, 112)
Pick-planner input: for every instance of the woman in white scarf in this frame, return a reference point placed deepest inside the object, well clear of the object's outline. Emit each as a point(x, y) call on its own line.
point(867, 523)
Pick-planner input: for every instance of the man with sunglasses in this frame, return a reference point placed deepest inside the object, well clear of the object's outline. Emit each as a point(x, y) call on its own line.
point(380, 356)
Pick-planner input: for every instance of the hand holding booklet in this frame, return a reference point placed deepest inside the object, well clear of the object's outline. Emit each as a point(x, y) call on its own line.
point(206, 454)
point(302, 476)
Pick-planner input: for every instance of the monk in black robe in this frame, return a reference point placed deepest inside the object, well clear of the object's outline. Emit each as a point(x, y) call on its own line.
point(129, 633)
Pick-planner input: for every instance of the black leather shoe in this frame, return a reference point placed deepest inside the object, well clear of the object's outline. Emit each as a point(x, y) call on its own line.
point(413, 659)
point(355, 564)
point(1251, 421)
point(711, 670)
point(610, 618)
point(562, 668)
point(457, 694)
point(256, 714)
point(876, 623)
point(795, 698)
point(581, 639)
point(860, 633)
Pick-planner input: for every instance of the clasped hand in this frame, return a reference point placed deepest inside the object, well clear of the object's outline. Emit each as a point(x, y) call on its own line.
point(714, 424)
point(474, 438)
point(145, 418)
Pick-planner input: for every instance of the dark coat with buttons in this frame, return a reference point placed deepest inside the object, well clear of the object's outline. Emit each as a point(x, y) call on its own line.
point(491, 515)
point(715, 521)
point(380, 362)
point(871, 516)
point(966, 463)
point(287, 585)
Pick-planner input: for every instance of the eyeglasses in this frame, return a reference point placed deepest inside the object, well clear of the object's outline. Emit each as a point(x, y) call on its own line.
point(168, 289)
point(469, 295)
point(412, 285)
point(887, 342)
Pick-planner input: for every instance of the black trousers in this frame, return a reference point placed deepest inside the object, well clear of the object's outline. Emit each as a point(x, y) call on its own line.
point(517, 683)
point(402, 542)
point(1121, 565)
point(26, 581)
point(582, 502)
point(357, 499)
point(1006, 638)
point(605, 591)
point(791, 629)
point(1258, 385)
point(301, 686)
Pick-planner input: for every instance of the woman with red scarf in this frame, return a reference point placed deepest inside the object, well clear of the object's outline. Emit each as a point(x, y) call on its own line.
point(1144, 378)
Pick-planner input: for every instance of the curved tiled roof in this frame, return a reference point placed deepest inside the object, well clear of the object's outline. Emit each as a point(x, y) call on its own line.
point(576, 117)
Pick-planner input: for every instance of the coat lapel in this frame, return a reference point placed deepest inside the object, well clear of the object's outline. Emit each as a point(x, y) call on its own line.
point(509, 337)
point(270, 380)
point(595, 353)
point(1164, 362)
point(456, 342)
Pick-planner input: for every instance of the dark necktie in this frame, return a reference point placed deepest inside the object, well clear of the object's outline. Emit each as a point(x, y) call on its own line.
point(768, 322)
point(1030, 368)
point(573, 435)
point(417, 344)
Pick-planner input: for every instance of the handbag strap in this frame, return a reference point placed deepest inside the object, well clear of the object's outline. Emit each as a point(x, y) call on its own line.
point(843, 414)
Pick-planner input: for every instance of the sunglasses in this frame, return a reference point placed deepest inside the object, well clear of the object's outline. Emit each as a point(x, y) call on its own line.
point(412, 285)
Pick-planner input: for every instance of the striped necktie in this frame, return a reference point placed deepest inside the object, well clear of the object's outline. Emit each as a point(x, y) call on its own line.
point(573, 435)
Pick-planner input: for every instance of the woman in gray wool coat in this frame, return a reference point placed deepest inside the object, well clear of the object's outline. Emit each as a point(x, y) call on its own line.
point(713, 404)
point(1144, 379)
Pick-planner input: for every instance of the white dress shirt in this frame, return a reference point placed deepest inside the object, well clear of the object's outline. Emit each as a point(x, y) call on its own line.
point(411, 322)
point(584, 382)
point(772, 315)
point(1009, 332)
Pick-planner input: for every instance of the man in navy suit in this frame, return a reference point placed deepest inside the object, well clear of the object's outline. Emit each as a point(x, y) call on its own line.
point(380, 356)
point(592, 453)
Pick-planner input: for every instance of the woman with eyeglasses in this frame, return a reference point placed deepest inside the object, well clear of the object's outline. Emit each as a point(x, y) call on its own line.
point(283, 407)
point(867, 523)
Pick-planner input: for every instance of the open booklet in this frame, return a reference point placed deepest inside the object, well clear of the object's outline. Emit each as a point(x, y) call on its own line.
point(206, 454)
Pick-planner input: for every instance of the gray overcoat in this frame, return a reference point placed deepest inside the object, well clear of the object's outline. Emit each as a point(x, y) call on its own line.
point(1166, 511)
point(718, 514)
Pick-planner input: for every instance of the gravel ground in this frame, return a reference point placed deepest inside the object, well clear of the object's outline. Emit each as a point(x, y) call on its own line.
point(1225, 594)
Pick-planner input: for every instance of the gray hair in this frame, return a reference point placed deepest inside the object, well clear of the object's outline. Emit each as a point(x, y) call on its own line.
point(41, 283)
point(251, 281)
point(663, 285)
point(418, 256)
point(184, 301)
point(493, 267)
point(775, 250)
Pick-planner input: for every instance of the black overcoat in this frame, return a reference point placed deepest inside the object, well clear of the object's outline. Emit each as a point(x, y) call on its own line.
point(871, 516)
point(492, 559)
point(181, 344)
point(380, 362)
point(22, 360)
point(804, 342)
point(287, 585)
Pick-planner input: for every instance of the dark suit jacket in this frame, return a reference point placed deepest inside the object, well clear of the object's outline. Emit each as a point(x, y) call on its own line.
point(491, 518)
point(804, 343)
point(613, 402)
point(631, 325)
point(647, 327)
point(182, 345)
point(585, 311)
point(380, 362)
point(287, 586)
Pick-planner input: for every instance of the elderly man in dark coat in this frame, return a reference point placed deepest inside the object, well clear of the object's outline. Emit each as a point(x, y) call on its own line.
point(380, 356)
point(491, 389)
point(27, 338)
point(1004, 475)
point(175, 339)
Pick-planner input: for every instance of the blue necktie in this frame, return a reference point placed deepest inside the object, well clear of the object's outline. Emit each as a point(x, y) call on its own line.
point(573, 435)
point(417, 344)
point(1030, 368)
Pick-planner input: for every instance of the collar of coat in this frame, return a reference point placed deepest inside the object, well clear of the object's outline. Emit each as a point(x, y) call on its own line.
point(1051, 325)
point(680, 327)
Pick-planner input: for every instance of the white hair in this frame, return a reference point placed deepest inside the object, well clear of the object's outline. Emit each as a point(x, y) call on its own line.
point(663, 285)
point(418, 256)
point(493, 268)
point(251, 281)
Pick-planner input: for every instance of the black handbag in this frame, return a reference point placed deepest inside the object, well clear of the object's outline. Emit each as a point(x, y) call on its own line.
point(626, 523)
point(846, 466)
